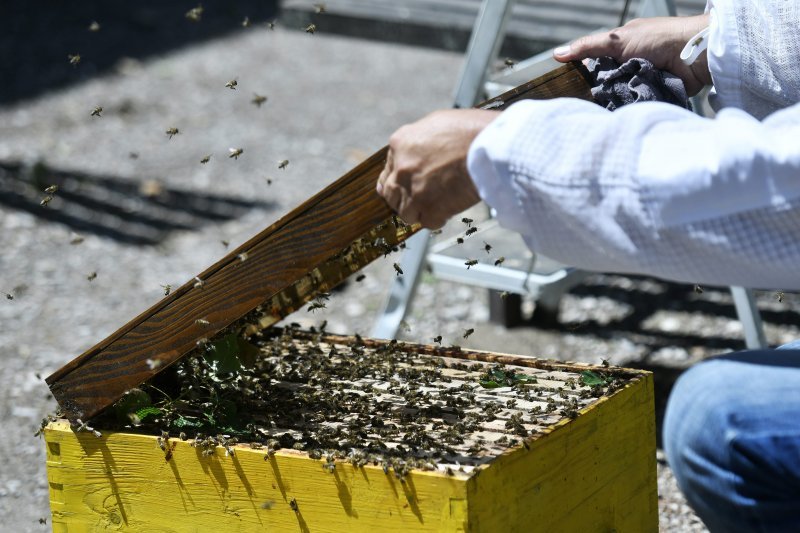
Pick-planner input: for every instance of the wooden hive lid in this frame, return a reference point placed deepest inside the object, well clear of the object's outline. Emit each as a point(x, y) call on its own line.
point(276, 272)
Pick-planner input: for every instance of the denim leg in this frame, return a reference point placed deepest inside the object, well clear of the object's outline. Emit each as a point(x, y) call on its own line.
point(732, 437)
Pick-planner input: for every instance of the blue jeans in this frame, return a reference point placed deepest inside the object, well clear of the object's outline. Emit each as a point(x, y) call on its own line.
point(732, 437)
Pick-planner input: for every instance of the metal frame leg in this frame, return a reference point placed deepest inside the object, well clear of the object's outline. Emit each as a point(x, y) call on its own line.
point(487, 36)
point(750, 318)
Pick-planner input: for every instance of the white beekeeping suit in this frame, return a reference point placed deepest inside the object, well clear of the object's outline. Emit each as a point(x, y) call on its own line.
point(655, 189)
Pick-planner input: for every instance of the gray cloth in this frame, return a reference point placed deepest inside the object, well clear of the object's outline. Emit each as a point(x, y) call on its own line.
point(636, 80)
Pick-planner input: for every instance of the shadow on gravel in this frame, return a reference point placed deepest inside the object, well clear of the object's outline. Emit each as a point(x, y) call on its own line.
point(131, 212)
point(36, 37)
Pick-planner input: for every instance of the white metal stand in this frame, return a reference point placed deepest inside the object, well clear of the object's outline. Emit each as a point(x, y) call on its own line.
point(548, 285)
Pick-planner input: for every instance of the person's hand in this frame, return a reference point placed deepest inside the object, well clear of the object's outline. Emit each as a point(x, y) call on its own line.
point(425, 179)
point(659, 40)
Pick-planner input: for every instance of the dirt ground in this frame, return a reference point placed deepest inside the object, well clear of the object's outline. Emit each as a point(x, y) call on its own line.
point(148, 213)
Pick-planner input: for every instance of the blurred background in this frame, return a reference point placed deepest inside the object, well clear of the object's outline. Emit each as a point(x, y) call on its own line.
point(137, 210)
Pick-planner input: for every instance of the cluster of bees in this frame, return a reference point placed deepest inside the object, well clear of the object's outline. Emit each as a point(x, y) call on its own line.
point(360, 402)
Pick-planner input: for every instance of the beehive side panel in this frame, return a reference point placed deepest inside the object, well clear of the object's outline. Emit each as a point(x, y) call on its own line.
point(124, 481)
point(593, 473)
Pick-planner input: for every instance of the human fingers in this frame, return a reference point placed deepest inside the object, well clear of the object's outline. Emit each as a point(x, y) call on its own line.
point(388, 168)
point(596, 45)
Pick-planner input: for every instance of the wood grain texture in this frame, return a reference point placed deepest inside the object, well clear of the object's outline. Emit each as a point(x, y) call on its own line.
point(306, 242)
point(596, 472)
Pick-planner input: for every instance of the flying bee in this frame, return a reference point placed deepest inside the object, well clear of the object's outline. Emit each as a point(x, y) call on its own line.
point(206, 159)
point(397, 269)
point(199, 283)
point(225, 243)
point(269, 182)
point(438, 340)
point(167, 289)
point(698, 289)
point(271, 24)
point(468, 332)
point(52, 189)
point(92, 276)
point(77, 239)
point(267, 505)
point(283, 164)
point(311, 28)
point(471, 263)
point(504, 295)
point(459, 240)
point(779, 296)
point(9, 296)
point(508, 62)
point(320, 8)
point(153, 364)
point(46, 200)
point(316, 304)
point(246, 22)
point(94, 26)
point(499, 261)
point(232, 85)
point(470, 231)
point(235, 152)
point(487, 246)
point(360, 278)
point(202, 322)
point(258, 99)
point(74, 59)
point(172, 131)
point(195, 14)
point(242, 257)
point(96, 111)
point(43, 521)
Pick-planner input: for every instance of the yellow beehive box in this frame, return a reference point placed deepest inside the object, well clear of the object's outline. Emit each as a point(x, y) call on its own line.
point(592, 470)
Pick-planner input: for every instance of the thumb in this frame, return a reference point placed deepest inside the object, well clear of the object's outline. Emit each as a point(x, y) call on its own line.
point(595, 45)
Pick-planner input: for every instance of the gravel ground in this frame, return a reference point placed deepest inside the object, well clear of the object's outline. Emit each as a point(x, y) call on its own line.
point(151, 214)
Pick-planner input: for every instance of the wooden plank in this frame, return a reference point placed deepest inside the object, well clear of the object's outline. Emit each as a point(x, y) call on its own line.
point(306, 252)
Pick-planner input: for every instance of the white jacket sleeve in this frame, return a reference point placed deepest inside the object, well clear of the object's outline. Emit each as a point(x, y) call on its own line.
point(654, 189)
point(650, 189)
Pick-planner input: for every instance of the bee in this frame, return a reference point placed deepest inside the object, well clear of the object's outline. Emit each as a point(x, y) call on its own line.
point(199, 283)
point(258, 99)
point(246, 22)
point(499, 261)
point(698, 41)
point(470, 231)
point(52, 189)
point(94, 26)
point(77, 239)
point(283, 164)
point(459, 240)
point(471, 263)
point(43, 521)
point(504, 295)
point(271, 24)
point(172, 131)
point(202, 322)
point(438, 340)
point(397, 269)
point(779, 296)
point(206, 159)
point(225, 243)
point(293, 504)
point(320, 8)
point(182, 435)
point(167, 289)
point(267, 505)
point(468, 332)
point(487, 246)
point(92, 276)
point(269, 182)
point(508, 62)
point(9, 296)
point(313, 306)
point(232, 85)
point(404, 326)
point(311, 28)
point(437, 232)
point(133, 155)
point(242, 257)
point(235, 152)
point(360, 278)
point(96, 111)
point(698, 289)
point(467, 221)
point(46, 200)
point(170, 449)
point(74, 59)
point(195, 14)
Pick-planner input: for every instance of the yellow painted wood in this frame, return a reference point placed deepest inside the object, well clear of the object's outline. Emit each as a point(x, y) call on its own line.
point(594, 473)
point(123, 482)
